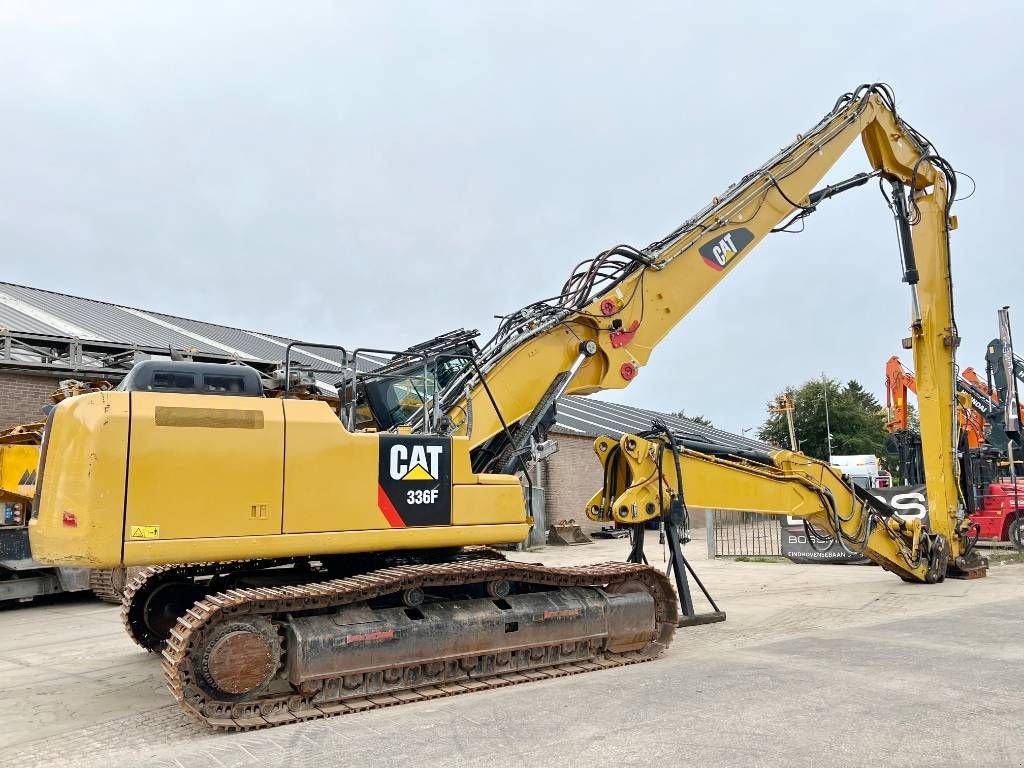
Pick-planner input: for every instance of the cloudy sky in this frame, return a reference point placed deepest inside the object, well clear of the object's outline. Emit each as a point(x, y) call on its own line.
point(377, 173)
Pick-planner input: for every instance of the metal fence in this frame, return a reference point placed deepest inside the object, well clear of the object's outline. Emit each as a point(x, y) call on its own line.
point(743, 534)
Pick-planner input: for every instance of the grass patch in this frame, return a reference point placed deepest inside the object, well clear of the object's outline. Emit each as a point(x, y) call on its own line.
point(1006, 557)
point(760, 559)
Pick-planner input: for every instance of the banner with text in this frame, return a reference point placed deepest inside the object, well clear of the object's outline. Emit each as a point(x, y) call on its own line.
point(908, 501)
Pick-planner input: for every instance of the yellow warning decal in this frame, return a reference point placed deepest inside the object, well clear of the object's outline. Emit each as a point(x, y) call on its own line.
point(144, 532)
point(418, 473)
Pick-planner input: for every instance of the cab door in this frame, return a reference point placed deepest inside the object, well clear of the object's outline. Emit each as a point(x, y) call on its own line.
point(202, 466)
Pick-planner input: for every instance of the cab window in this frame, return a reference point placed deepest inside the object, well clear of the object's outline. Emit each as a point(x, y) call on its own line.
point(405, 396)
point(176, 380)
point(223, 384)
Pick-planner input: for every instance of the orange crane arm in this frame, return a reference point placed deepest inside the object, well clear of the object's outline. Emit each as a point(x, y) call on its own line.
point(972, 376)
point(899, 381)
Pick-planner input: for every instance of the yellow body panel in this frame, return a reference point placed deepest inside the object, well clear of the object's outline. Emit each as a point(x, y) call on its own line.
point(489, 504)
point(200, 464)
point(83, 479)
point(323, 466)
point(329, 474)
point(204, 465)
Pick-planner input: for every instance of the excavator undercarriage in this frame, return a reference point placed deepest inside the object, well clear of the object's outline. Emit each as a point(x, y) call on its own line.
point(254, 656)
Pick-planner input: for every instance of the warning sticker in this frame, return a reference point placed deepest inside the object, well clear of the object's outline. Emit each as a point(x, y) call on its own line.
point(144, 532)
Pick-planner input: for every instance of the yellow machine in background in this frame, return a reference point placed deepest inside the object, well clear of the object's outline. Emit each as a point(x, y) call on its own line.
point(324, 557)
point(18, 477)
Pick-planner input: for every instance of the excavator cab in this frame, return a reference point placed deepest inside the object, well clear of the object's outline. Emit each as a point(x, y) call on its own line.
point(192, 378)
point(397, 392)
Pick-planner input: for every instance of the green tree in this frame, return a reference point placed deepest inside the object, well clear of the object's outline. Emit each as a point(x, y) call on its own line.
point(856, 417)
point(913, 420)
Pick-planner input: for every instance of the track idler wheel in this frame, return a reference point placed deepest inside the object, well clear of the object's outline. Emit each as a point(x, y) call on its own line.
point(154, 609)
point(240, 657)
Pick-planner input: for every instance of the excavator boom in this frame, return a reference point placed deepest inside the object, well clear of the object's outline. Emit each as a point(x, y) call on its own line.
point(627, 300)
point(649, 475)
point(601, 329)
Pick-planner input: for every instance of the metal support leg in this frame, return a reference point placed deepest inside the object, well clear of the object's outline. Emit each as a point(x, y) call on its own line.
point(679, 566)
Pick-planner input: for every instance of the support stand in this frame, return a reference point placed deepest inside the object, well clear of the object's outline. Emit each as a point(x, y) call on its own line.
point(678, 565)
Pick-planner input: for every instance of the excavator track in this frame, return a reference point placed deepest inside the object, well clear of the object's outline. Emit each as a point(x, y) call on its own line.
point(108, 584)
point(236, 660)
point(142, 583)
point(133, 623)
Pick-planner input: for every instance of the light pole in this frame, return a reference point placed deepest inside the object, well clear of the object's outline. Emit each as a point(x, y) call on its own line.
point(828, 427)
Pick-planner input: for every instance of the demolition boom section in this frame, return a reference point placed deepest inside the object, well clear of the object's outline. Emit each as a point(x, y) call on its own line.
point(641, 483)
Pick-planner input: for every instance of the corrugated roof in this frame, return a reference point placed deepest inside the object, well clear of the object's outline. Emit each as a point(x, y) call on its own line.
point(12, 319)
point(589, 416)
point(33, 310)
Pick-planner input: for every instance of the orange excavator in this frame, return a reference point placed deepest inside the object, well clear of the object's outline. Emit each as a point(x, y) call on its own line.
point(995, 505)
point(970, 375)
point(899, 381)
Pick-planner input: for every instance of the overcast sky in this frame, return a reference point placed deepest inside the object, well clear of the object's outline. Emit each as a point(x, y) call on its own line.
point(378, 173)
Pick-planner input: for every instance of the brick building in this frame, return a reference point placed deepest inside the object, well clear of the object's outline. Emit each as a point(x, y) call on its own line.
point(47, 337)
point(22, 395)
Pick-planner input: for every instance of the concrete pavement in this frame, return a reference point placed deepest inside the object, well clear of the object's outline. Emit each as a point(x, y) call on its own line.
point(817, 664)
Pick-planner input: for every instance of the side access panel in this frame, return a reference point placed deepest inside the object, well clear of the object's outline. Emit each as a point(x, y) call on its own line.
point(341, 481)
point(202, 466)
point(336, 480)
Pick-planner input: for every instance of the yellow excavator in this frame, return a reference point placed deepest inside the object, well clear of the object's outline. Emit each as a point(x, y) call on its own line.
point(312, 559)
